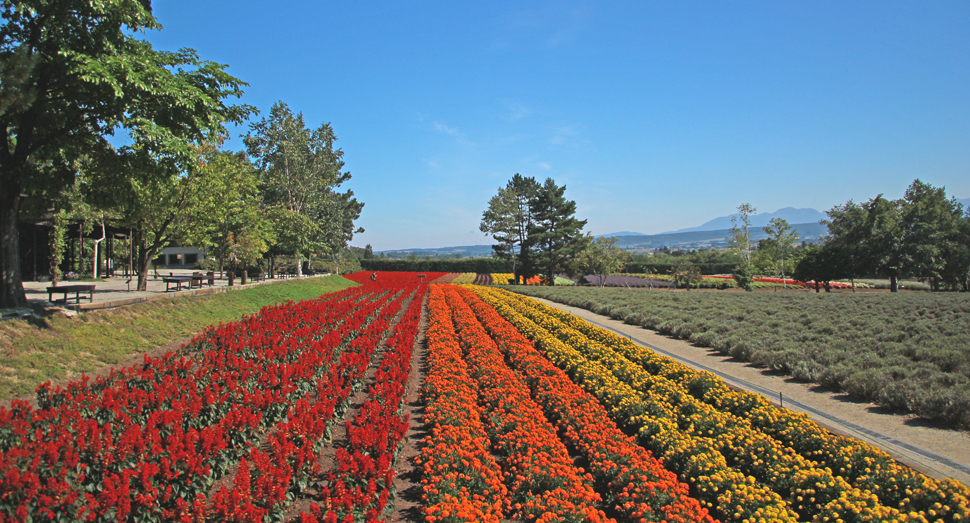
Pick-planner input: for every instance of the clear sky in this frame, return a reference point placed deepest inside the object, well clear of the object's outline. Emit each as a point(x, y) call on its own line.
point(656, 115)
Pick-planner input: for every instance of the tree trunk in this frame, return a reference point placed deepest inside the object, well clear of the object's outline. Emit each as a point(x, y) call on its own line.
point(12, 293)
point(893, 283)
point(299, 266)
point(852, 279)
point(142, 261)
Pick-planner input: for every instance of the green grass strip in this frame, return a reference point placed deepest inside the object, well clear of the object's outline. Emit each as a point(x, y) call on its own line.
point(58, 347)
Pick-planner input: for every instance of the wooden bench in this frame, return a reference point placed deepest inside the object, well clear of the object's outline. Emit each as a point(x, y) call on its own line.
point(78, 290)
point(178, 281)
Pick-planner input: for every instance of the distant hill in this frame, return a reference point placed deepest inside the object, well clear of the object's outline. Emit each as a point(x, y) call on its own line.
point(464, 251)
point(675, 240)
point(789, 214)
point(709, 239)
point(621, 233)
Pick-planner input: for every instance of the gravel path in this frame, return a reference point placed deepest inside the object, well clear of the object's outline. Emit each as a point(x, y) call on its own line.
point(951, 444)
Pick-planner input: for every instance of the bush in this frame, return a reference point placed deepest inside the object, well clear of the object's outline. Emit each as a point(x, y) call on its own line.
point(206, 264)
point(744, 275)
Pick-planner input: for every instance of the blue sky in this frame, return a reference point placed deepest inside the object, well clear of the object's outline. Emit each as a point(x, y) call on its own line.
point(656, 115)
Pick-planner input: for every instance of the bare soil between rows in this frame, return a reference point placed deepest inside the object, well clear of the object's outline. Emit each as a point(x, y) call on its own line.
point(909, 428)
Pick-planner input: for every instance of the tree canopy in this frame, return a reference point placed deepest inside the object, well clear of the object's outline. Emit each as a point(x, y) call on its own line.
point(535, 226)
point(72, 73)
point(300, 171)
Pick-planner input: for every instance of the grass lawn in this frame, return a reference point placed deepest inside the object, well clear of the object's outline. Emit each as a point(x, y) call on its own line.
point(58, 347)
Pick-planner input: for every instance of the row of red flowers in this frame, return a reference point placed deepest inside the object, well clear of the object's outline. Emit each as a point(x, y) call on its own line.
point(147, 443)
point(634, 483)
point(266, 478)
point(788, 281)
point(393, 277)
point(360, 484)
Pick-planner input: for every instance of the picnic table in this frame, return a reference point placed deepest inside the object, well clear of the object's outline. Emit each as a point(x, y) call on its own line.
point(190, 282)
point(77, 289)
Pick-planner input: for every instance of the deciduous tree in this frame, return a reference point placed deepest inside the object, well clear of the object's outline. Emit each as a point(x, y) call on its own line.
point(224, 209)
point(784, 238)
point(600, 257)
point(73, 72)
point(509, 218)
point(300, 171)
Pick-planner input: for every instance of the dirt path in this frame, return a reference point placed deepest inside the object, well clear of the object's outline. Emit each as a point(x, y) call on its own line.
point(407, 473)
point(907, 428)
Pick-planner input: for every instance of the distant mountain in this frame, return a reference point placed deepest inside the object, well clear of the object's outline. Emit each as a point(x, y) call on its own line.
point(789, 214)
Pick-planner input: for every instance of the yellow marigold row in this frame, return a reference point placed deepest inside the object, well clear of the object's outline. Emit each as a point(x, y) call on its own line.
point(732, 495)
point(465, 277)
point(787, 473)
point(864, 466)
point(501, 278)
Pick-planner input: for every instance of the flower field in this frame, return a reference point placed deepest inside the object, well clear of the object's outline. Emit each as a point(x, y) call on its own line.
point(227, 429)
point(529, 414)
point(746, 459)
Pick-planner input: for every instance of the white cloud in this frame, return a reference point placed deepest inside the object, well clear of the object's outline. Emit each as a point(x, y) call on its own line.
point(544, 166)
point(517, 112)
point(566, 134)
point(444, 128)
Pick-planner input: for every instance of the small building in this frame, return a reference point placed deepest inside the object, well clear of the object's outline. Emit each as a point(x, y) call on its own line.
point(179, 257)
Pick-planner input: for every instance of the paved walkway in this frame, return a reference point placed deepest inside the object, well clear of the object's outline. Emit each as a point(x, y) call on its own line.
point(118, 290)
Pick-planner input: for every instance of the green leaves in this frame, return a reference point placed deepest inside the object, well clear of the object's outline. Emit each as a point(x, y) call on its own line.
point(300, 172)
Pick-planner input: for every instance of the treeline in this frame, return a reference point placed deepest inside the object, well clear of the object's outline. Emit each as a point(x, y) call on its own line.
point(923, 235)
point(475, 265)
point(707, 262)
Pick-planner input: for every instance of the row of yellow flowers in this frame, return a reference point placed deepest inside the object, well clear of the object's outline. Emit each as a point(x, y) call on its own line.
point(461, 480)
point(543, 482)
point(730, 494)
point(506, 279)
point(800, 481)
point(678, 426)
point(864, 466)
point(633, 483)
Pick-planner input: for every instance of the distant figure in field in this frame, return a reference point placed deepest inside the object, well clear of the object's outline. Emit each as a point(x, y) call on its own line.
point(373, 277)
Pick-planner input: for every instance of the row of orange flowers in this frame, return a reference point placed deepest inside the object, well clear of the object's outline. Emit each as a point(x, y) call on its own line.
point(461, 481)
point(738, 469)
point(543, 482)
point(633, 483)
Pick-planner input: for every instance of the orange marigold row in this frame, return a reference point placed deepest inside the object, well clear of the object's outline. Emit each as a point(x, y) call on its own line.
point(634, 483)
point(543, 481)
point(461, 480)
